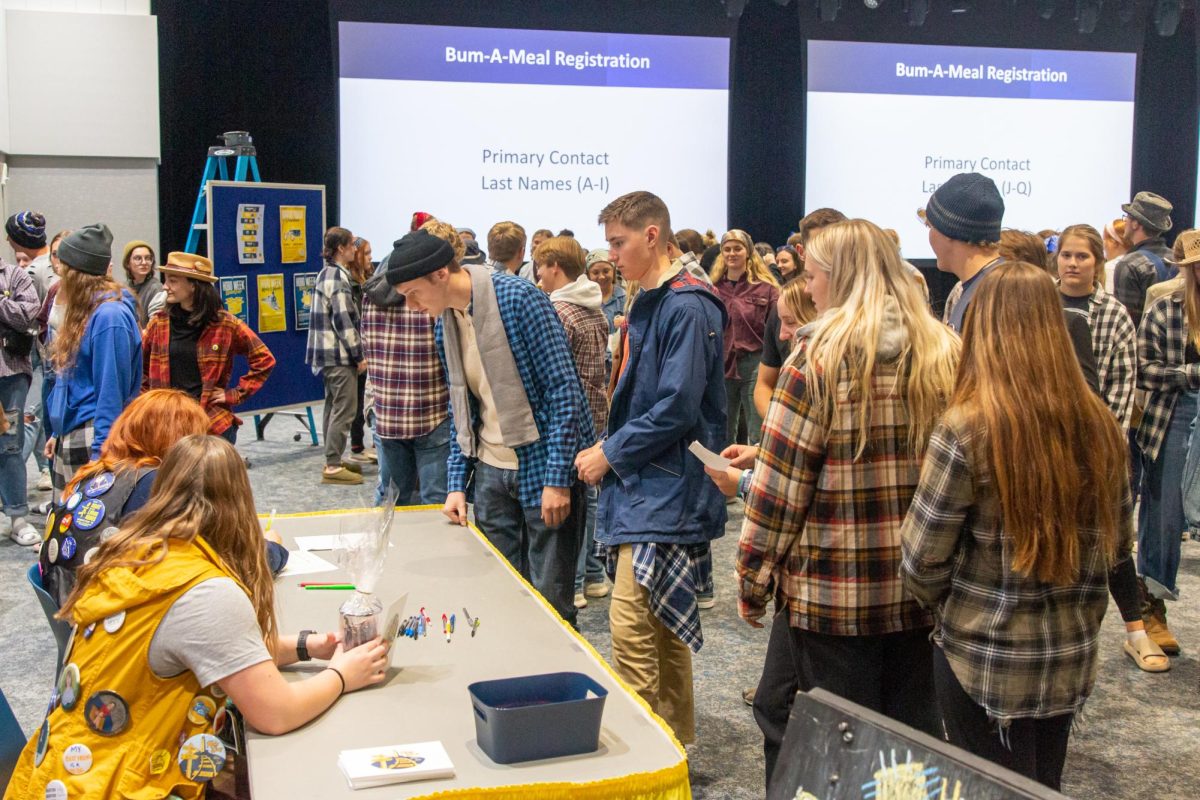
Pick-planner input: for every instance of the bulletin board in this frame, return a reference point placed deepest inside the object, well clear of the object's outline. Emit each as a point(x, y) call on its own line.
point(271, 234)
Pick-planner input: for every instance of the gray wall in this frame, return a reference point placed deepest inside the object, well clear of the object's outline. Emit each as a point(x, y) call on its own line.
point(72, 192)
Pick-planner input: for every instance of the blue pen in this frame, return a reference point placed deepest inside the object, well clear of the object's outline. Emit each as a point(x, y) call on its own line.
point(452, 623)
point(421, 626)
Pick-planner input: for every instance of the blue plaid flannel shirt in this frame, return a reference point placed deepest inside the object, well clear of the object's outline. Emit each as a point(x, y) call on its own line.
point(564, 421)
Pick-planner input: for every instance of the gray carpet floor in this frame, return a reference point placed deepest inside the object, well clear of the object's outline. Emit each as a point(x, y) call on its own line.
point(1138, 736)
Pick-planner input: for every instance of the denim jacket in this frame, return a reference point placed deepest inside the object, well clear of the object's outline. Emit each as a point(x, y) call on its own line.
point(671, 393)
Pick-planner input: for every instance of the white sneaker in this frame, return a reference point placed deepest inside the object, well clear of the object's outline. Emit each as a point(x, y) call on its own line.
point(24, 534)
point(580, 600)
point(705, 603)
point(45, 483)
point(6, 525)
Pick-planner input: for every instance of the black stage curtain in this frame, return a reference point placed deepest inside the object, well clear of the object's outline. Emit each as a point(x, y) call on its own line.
point(270, 68)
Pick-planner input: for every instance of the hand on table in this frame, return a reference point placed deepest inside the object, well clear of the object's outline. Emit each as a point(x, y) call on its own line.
point(365, 665)
point(456, 507)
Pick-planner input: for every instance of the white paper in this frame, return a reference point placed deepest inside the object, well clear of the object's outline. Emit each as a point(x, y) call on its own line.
point(302, 562)
point(337, 541)
point(708, 457)
point(378, 766)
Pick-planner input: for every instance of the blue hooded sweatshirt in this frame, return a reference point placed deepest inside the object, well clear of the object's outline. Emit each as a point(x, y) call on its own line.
point(671, 392)
point(107, 373)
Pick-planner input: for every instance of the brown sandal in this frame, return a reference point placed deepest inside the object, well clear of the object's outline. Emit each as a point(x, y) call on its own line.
point(1146, 649)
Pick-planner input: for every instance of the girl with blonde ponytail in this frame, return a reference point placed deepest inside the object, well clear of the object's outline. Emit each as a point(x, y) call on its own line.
point(839, 461)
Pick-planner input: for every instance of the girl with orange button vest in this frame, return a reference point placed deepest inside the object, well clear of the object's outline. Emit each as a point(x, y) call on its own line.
point(167, 623)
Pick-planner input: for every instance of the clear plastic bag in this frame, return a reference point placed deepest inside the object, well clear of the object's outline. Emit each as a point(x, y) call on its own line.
point(363, 557)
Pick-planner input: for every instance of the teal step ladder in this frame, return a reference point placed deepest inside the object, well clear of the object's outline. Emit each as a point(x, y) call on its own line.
point(238, 145)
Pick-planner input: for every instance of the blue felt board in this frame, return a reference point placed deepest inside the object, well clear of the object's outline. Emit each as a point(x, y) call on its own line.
point(292, 382)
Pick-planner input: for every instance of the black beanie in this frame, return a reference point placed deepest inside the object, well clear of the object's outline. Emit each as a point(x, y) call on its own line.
point(968, 207)
point(87, 250)
point(416, 255)
point(27, 229)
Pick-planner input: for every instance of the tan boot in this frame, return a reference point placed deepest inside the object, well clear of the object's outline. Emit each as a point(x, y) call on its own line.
point(1157, 630)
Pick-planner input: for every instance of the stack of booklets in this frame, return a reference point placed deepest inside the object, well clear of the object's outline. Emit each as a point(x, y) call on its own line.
point(379, 766)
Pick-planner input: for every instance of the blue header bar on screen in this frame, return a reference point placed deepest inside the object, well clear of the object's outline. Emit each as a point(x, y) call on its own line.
point(873, 68)
point(507, 55)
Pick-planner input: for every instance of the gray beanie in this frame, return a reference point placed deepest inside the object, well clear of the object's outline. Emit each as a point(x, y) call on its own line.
point(88, 250)
point(968, 207)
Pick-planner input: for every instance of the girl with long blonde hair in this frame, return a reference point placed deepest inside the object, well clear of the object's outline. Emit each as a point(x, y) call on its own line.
point(1022, 510)
point(96, 352)
point(749, 291)
point(174, 613)
point(840, 458)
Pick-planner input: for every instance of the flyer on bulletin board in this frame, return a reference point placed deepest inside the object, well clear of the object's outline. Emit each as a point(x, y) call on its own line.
point(292, 236)
point(233, 295)
point(302, 295)
point(249, 234)
point(272, 314)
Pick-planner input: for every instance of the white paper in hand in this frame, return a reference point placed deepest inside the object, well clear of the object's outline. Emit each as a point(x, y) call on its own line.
point(709, 458)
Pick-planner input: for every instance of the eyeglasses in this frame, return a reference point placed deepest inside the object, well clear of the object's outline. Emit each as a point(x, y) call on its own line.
point(141, 260)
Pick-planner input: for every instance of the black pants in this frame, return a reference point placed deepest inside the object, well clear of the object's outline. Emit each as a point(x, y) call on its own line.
point(782, 677)
point(360, 420)
point(891, 673)
point(1036, 748)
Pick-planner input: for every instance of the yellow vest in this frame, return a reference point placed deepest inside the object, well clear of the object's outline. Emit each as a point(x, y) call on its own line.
point(115, 729)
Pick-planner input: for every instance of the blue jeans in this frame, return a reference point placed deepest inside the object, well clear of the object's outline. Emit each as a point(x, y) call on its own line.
point(588, 567)
point(13, 491)
point(544, 556)
point(35, 428)
point(404, 462)
point(1160, 517)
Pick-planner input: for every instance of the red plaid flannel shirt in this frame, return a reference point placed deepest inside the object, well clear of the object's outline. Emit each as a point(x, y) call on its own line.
point(412, 396)
point(587, 334)
point(219, 343)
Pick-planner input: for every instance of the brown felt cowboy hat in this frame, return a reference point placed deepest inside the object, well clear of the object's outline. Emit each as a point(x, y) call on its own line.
point(189, 265)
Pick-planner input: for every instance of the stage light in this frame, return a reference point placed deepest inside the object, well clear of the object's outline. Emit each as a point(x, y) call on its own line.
point(1126, 10)
point(782, 2)
point(916, 11)
point(829, 9)
point(871, 4)
point(1087, 14)
point(960, 6)
point(1166, 17)
point(734, 8)
point(1045, 8)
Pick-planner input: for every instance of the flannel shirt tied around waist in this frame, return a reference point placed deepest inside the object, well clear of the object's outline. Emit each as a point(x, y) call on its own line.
point(824, 526)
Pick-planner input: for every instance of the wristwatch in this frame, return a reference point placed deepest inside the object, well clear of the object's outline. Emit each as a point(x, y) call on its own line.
point(302, 646)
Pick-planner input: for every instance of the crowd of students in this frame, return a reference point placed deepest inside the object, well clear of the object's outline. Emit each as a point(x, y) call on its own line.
point(936, 509)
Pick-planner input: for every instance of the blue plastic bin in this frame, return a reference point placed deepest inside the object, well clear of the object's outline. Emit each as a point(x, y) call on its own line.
point(537, 716)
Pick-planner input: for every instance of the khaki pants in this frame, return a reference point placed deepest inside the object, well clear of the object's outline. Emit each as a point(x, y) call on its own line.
point(647, 656)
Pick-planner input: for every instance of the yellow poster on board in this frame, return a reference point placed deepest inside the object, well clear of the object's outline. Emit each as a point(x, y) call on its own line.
point(272, 311)
point(292, 237)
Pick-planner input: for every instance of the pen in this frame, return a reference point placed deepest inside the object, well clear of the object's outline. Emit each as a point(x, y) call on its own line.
point(345, 586)
point(271, 519)
point(452, 623)
point(322, 583)
point(446, 627)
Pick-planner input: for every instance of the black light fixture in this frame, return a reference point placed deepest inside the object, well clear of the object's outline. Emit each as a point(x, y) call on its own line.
point(1087, 14)
point(1045, 8)
point(734, 8)
point(1126, 10)
point(828, 9)
point(916, 11)
point(1166, 17)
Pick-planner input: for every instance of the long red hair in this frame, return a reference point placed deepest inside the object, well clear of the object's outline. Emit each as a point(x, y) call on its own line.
point(144, 432)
